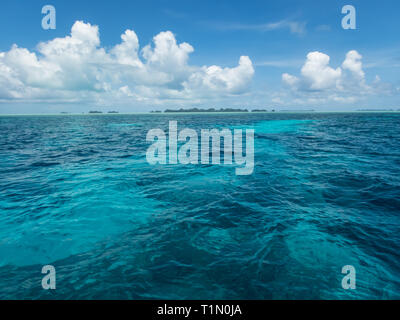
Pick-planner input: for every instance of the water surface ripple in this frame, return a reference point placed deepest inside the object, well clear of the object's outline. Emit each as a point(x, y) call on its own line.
point(76, 192)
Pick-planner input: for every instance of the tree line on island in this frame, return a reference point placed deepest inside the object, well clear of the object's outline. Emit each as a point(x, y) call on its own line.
point(193, 110)
point(198, 110)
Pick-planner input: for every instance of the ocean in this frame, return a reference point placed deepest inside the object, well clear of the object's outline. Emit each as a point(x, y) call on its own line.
point(77, 193)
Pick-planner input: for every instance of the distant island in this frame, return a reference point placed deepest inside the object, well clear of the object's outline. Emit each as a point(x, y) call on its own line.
point(100, 112)
point(206, 110)
point(376, 110)
point(300, 111)
point(193, 110)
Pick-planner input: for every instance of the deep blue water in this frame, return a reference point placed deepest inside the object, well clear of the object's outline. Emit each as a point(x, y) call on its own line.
point(76, 192)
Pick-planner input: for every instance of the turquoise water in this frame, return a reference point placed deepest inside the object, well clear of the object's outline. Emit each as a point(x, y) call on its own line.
point(76, 192)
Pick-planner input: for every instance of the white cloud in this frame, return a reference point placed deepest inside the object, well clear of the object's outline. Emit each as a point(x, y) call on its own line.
point(353, 63)
point(290, 80)
point(215, 79)
point(318, 74)
point(127, 52)
point(319, 82)
point(167, 54)
point(295, 27)
point(77, 68)
point(283, 63)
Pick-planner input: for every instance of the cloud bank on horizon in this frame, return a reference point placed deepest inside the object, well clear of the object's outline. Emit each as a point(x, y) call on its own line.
point(77, 69)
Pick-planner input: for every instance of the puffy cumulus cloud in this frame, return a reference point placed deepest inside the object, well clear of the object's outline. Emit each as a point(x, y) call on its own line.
point(318, 82)
point(290, 80)
point(126, 53)
point(215, 79)
point(167, 54)
point(63, 64)
point(76, 68)
point(318, 74)
point(353, 63)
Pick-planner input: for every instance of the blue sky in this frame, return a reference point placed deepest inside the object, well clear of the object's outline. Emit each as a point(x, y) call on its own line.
point(326, 67)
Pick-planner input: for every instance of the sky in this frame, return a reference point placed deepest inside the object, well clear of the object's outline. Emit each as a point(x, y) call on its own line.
point(137, 56)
